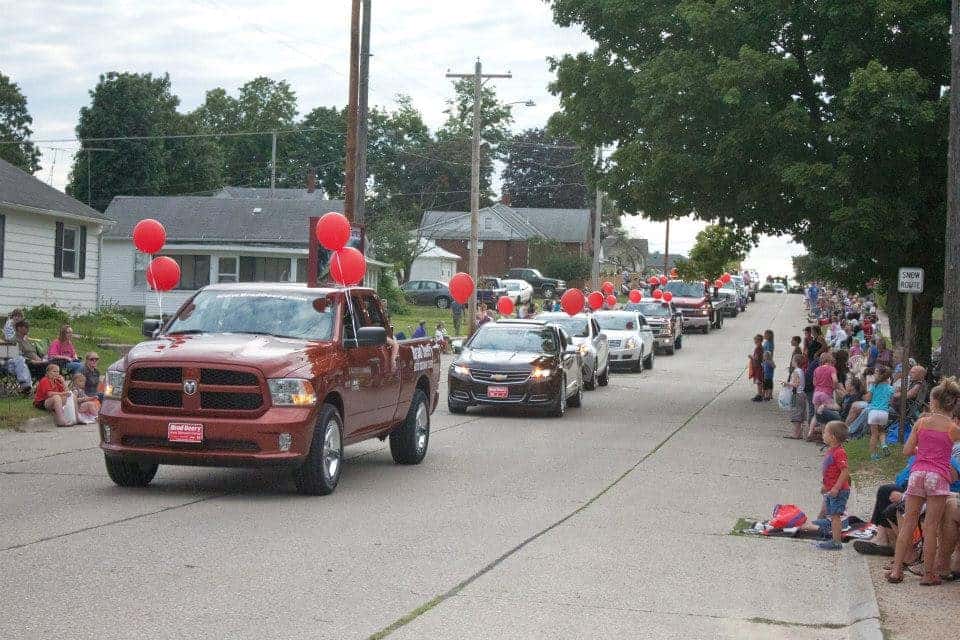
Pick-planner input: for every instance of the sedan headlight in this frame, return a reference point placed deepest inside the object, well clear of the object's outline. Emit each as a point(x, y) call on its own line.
point(540, 374)
point(292, 392)
point(584, 349)
point(461, 370)
point(631, 343)
point(113, 388)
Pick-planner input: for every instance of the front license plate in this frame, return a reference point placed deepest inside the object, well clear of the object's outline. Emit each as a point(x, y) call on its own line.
point(184, 432)
point(497, 392)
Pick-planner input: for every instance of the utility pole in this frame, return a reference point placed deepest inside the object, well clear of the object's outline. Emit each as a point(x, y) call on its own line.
point(90, 151)
point(666, 250)
point(273, 163)
point(361, 182)
point(478, 77)
point(597, 224)
point(950, 347)
point(350, 171)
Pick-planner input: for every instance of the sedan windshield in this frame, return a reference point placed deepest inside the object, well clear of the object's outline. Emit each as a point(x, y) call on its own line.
point(577, 327)
point(286, 315)
point(501, 338)
point(617, 321)
point(685, 289)
point(655, 309)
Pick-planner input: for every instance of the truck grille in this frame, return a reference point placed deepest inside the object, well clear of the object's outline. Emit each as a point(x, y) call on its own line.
point(228, 378)
point(230, 401)
point(499, 376)
point(158, 374)
point(155, 397)
point(207, 445)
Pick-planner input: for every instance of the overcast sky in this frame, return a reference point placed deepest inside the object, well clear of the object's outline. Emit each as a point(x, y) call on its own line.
point(56, 51)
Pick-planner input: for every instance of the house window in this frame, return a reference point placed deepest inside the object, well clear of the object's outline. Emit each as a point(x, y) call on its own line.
point(301, 269)
point(487, 223)
point(140, 261)
point(229, 269)
point(264, 269)
point(194, 272)
point(70, 251)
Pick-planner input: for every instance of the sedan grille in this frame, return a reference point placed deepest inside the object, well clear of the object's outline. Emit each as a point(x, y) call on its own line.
point(499, 376)
point(155, 397)
point(615, 344)
point(157, 374)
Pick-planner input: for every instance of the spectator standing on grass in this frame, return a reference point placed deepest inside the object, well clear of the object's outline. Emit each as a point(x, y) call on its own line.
point(877, 409)
point(932, 441)
point(63, 352)
point(10, 326)
point(836, 482)
point(457, 310)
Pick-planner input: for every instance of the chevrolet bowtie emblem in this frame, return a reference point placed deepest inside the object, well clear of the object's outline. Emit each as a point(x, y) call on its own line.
point(499, 377)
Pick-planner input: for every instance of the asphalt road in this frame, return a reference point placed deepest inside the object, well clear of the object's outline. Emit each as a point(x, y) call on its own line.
point(613, 522)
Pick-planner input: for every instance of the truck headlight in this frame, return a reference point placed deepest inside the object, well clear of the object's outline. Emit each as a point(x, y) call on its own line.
point(540, 374)
point(632, 343)
point(113, 388)
point(292, 392)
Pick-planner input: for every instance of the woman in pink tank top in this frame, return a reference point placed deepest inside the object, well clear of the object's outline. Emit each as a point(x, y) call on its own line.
point(931, 440)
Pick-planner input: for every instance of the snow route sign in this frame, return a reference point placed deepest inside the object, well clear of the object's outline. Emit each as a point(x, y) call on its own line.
point(910, 280)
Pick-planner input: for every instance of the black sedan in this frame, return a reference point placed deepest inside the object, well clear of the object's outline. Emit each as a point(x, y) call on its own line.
point(517, 363)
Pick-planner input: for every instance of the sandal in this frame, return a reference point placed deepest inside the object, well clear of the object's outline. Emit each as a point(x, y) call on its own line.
point(931, 581)
point(892, 579)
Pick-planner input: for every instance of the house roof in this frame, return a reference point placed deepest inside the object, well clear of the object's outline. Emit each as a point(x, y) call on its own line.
point(563, 225)
point(19, 188)
point(269, 194)
point(205, 219)
point(431, 250)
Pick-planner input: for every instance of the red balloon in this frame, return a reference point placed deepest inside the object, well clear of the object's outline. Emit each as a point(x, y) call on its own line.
point(149, 236)
point(657, 294)
point(595, 300)
point(653, 280)
point(505, 305)
point(572, 301)
point(347, 266)
point(718, 283)
point(333, 231)
point(667, 296)
point(461, 287)
point(635, 295)
point(611, 300)
point(607, 287)
point(726, 278)
point(664, 280)
point(163, 273)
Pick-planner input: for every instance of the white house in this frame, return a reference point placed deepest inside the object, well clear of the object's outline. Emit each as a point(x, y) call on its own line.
point(213, 239)
point(434, 263)
point(49, 245)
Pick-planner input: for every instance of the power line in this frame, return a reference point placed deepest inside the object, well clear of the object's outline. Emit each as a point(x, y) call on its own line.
point(178, 136)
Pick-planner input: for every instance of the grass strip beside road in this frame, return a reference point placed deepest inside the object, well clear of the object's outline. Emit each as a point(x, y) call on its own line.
point(867, 473)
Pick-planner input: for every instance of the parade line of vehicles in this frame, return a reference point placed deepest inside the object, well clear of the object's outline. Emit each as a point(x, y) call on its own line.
point(252, 375)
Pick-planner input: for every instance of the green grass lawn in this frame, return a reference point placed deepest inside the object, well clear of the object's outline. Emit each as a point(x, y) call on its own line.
point(868, 474)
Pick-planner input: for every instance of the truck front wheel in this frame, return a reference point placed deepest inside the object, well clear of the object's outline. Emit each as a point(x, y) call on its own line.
point(130, 473)
point(408, 442)
point(320, 471)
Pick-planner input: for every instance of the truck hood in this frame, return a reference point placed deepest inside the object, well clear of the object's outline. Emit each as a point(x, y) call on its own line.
point(274, 357)
point(688, 302)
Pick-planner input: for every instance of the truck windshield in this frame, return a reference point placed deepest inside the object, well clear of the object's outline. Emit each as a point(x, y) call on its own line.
point(285, 315)
point(655, 309)
point(524, 339)
point(576, 327)
point(685, 289)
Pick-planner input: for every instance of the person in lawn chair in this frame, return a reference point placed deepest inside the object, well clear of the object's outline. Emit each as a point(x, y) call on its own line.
point(35, 360)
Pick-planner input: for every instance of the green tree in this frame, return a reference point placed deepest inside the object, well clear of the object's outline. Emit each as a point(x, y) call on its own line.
point(137, 105)
point(15, 124)
point(543, 170)
point(261, 105)
point(716, 251)
point(320, 145)
point(822, 120)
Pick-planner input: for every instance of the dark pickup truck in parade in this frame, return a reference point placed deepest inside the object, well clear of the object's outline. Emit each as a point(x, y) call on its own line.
point(268, 374)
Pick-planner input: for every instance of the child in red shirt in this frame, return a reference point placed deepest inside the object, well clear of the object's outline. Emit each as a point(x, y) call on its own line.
point(836, 481)
point(51, 394)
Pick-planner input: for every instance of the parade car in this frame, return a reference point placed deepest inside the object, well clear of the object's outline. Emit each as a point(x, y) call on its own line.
point(248, 375)
point(699, 308)
point(630, 339)
point(665, 321)
point(591, 342)
point(517, 363)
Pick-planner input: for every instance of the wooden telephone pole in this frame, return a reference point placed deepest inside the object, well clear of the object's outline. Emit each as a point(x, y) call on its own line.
point(350, 171)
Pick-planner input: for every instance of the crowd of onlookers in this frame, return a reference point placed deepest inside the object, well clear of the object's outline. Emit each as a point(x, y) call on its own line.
point(845, 381)
point(59, 381)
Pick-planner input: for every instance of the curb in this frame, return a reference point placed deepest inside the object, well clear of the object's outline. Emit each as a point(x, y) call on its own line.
point(864, 609)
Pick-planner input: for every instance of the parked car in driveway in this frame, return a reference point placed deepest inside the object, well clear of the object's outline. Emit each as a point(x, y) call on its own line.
point(489, 290)
point(546, 287)
point(592, 343)
point(629, 338)
point(664, 319)
point(519, 290)
point(519, 363)
point(427, 292)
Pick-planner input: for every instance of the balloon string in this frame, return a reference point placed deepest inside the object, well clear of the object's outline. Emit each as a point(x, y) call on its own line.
point(346, 293)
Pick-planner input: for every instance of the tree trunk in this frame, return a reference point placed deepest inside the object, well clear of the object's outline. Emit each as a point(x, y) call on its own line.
point(950, 354)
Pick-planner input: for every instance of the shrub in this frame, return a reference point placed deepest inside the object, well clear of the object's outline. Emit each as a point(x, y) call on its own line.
point(46, 313)
point(566, 267)
point(391, 294)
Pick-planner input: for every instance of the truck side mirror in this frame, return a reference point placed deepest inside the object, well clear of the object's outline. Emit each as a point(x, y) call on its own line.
point(371, 336)
point(149, 328)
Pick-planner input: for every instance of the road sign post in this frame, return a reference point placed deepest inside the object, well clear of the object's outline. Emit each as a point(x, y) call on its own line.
point(909, 282)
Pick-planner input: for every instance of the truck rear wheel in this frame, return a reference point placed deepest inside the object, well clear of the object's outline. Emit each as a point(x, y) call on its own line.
point(320, 471)
point(130, 473)
point(408, 442)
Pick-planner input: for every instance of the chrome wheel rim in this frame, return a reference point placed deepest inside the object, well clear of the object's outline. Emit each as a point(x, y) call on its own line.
point(422, 427)
point(331, 451)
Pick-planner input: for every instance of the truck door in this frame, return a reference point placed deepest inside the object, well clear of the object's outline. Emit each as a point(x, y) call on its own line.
point(362, 381)
point(388, 391)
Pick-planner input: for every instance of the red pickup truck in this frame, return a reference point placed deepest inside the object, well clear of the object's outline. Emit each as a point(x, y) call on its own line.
point(268, 374)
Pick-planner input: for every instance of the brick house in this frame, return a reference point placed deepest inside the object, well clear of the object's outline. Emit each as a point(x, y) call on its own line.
point(507, 233)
